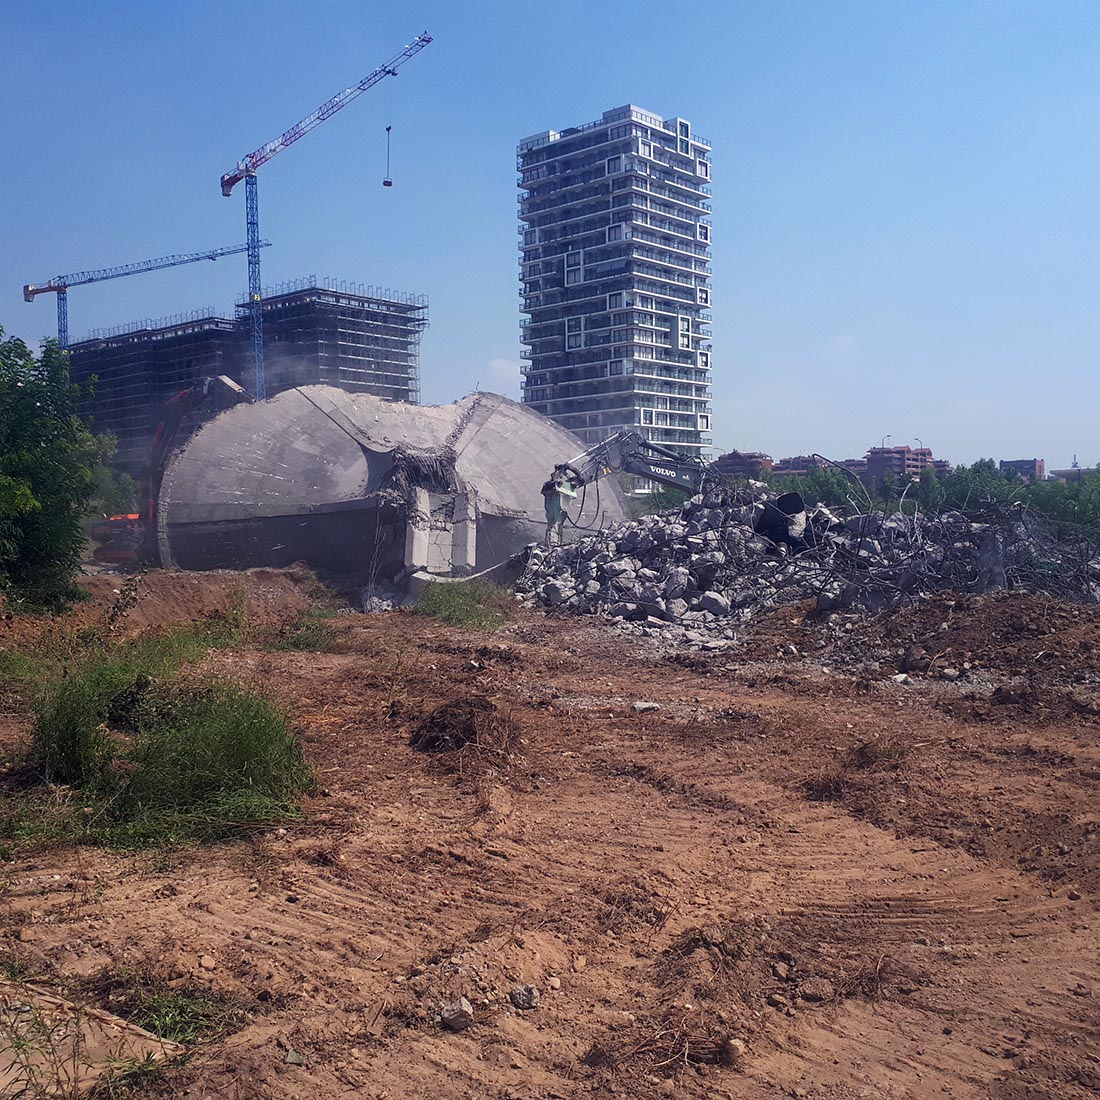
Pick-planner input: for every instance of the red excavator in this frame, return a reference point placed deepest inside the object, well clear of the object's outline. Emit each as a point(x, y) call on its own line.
point(132, 539)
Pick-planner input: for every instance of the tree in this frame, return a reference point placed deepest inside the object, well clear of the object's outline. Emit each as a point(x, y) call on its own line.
point(929, 490)
point(822, 485)
point(966, 487)
point(49, 464)
point(1069, 502)
point(659, 498)
point(115, 493)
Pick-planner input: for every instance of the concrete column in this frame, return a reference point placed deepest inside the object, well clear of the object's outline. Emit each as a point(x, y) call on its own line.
point(464, 536)
point(418, 518)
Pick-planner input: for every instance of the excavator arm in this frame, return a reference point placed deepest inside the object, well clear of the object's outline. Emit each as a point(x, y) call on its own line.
point(629, 452)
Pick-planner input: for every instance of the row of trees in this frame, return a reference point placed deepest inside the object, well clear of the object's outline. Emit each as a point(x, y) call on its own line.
point(966, 488)
point(53, 473)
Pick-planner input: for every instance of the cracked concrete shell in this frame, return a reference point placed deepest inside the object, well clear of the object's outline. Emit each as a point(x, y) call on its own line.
point(312, 475)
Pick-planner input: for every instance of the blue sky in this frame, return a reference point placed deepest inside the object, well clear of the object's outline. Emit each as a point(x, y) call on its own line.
point(906, 194)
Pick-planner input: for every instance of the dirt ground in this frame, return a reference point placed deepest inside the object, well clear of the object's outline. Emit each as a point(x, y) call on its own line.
point(794, 876)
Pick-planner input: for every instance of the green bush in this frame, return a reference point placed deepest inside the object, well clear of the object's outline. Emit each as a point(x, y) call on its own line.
point(466, 603)
point(207, 762)
point(69, 741)
point(93, 686)
point(152, 760)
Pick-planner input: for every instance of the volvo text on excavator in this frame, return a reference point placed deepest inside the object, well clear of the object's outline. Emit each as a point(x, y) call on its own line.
point(628, 452)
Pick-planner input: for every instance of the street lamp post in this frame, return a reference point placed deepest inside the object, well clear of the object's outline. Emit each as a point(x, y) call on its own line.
point(882, 445)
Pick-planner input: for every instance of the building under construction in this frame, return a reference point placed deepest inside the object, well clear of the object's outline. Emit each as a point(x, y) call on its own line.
point(358, 338)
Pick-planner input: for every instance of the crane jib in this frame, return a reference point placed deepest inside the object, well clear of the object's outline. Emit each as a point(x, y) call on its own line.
point(246, 169)
point(261, 156)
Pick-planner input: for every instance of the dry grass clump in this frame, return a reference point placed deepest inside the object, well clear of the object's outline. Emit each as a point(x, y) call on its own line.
point(830, 785)
point(886, 751)
point(873, 978)
point(679, 1042)
point(846, 781)
point(472, 733)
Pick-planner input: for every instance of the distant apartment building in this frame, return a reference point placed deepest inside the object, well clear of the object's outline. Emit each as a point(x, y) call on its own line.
point(879, 463)
point(1076, 472)
point(800, 465)
point(743, 464)
point(899, 463)
point(615, 241)
point(1032, 469)
point(796, 465)
point(354, 337)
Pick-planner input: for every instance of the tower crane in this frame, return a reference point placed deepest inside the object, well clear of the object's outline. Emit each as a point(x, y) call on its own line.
point(246, 170)
point(60, 284)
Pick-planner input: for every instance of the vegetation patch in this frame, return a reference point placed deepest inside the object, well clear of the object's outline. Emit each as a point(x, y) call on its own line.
point(879, 751)
point(206, 763)
point(124, 753)
point(93, 686)
point(179, 1013)
point(17, 965)
point(34, 815)
point(475, 604)
point(314, 632)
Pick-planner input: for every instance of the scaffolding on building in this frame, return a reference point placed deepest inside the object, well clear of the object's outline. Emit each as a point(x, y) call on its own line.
point(316, 331)
point(351, 335)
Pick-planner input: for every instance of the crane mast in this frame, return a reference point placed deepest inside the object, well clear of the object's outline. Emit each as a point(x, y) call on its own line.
point(245, 169)
point(60, 284)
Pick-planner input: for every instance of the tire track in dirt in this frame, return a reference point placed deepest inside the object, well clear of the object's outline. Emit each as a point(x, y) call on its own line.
point(644, 862)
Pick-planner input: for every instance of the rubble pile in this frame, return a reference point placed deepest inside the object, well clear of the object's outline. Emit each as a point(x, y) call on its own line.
point(699, 572)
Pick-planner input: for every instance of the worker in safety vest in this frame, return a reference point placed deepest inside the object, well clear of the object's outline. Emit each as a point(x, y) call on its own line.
point(556, 495)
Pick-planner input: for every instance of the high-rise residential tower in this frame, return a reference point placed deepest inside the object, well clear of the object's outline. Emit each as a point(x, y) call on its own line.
point(615, 274)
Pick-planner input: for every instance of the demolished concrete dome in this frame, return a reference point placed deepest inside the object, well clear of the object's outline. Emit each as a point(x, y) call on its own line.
point(353, 483)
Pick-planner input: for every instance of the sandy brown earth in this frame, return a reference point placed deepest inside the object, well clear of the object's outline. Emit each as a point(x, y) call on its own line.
point(881, 889)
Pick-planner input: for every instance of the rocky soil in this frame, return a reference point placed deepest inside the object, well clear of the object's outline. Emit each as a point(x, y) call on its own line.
point(770, 871)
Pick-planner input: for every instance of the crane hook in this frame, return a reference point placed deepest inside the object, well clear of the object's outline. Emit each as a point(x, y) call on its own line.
point(387, 182)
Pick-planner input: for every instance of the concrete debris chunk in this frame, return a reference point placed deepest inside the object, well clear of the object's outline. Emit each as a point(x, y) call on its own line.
point(458, 1015)
point(732, 1051)
point(816, 990)
point(524, 997)
point(644, 708)
point(701, 571)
